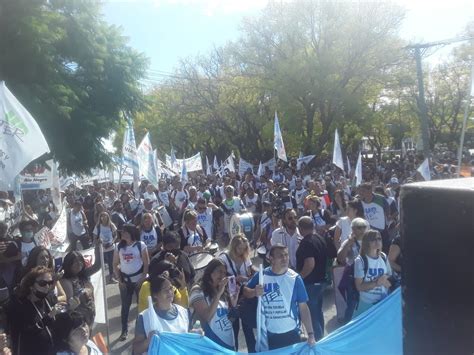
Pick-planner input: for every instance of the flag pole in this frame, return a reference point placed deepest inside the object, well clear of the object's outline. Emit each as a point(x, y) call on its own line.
point(259, 312)
point(106, 306)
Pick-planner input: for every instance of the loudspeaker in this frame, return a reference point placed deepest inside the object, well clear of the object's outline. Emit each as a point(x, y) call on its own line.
point(437, 230)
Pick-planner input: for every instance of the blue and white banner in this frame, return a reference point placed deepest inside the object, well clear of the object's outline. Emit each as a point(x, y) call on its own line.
point(129, 154)
point(193, 163)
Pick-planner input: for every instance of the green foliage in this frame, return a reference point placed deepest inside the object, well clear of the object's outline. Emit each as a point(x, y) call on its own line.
point(72, 71)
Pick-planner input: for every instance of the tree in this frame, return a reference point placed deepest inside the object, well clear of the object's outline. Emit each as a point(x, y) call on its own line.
point(72, 71)
point(320, 58)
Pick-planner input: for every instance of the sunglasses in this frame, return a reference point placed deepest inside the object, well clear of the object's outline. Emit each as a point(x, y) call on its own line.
point(359, 227)
point(43, 283)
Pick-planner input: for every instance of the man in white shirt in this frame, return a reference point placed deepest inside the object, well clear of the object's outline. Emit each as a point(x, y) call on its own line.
point(288, 235)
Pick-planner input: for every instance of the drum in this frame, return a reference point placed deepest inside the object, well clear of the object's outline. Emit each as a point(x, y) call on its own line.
point(199, 262)
point(165, 217)
point(262, 252)
point(242, 224)
point(213, 248)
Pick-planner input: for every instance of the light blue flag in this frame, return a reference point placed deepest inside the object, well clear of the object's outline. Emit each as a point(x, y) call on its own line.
point(374, 332)
point(278, 140)
point(146, 159)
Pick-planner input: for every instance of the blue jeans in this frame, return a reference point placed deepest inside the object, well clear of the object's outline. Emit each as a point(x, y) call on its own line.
point(315, 305)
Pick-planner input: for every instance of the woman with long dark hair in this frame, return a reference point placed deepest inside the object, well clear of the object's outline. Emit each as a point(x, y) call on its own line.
point(40, 256)
point(131, 262)
point(77, 285)
point(211, 301)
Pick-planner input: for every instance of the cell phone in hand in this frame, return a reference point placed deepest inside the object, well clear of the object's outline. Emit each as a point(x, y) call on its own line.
point(232, 283)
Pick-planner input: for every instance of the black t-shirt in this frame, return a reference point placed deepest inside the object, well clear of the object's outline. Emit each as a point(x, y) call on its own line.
point(312, 246)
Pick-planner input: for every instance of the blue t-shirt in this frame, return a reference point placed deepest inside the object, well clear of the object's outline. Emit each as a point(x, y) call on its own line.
point(280, 301)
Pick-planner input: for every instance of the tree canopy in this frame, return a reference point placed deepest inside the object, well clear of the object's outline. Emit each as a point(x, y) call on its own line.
point(72, 71)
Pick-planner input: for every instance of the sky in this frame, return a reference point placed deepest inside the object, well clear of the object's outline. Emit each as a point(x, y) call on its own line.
point(170, 30)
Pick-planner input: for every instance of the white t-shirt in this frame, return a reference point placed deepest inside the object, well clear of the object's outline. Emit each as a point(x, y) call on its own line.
point(106, 236)
point(232, 207)
point(251, 203)
point(344, 223)
point(77, 223)
point(193, 238)
point(281, 236)
point(180, 198)
point(377, 267)
point(26, 249)
point(131, 260)
point(241, 271)
point(219, 328)
point(150, 238)
point(152, 197)
point(180, 324)
point(205, 221)
point(299, 196)
point(164, 197)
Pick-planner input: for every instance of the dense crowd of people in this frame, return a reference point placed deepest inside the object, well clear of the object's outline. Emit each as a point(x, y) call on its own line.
point(174, 245)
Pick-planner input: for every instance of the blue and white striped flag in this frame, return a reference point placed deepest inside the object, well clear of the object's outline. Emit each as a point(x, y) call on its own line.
point(129, 153)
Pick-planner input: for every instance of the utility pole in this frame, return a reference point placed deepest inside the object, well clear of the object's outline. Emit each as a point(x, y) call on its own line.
point(425, 131)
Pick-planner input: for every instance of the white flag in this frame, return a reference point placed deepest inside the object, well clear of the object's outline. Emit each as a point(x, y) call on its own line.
point(260, 170)
point(348, 165)
point(306, 159)
point(215, 165)
point(278, 140)
point(129, 152)
point(97, 281)
point(184, 172)
point(171, 160)
point(424, 170)
point(21, 139)
point(337, 153)
point(208, 167)
point(227, 166)
point(358, 172)
point(244, 166)
point(146, 160)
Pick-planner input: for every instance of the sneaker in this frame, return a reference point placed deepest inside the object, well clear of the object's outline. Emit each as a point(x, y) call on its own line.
point(123, 336)
point(113, 280)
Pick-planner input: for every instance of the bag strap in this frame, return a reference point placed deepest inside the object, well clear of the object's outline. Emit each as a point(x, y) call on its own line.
point(231, 265)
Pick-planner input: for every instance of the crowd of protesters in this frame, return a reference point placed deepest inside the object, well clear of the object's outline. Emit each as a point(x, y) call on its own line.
point(306, 222)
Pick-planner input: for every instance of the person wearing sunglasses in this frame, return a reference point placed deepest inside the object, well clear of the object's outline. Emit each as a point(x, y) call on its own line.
point(371, 272)
point(288, 235)
point(31, 313)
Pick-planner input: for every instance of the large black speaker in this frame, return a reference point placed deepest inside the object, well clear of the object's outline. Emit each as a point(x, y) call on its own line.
point(437, 229)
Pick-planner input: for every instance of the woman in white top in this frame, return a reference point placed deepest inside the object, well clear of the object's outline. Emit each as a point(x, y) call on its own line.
point(343, 229)
point(193, 237)
point(165, 316)
point(78, 226)
point(131, 268)
point(239, 266)
point(150, 234)
point(106, 232)
point(371, 272)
